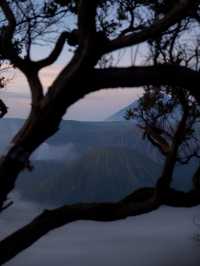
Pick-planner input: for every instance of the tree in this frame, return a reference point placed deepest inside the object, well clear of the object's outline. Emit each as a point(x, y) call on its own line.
point(3, 82)
point(162, 109)
point(96, 30)
point(159, 115)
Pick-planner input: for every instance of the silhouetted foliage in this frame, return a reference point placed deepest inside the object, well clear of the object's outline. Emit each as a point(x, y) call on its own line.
point(168, 34)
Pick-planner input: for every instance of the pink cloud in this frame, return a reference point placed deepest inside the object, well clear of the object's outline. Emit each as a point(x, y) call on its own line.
point(48, 74)
point(95, 106)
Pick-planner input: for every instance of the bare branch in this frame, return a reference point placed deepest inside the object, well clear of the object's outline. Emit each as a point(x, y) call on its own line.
point(181, 9)
point(6, 48)
point(55, 53)
point(86, 55)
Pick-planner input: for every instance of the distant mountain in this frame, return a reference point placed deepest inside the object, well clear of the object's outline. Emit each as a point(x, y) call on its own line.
point(76, 138)
point(91, 161)
point(106, 174)
point(8, 127)
point(120, 115)
point(84, 136)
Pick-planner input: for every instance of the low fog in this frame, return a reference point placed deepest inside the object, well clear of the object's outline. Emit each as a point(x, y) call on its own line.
point(164, 237)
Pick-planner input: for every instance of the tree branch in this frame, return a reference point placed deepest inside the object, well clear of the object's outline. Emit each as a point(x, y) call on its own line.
point(3, 109)
point(52, 219)
point(139, 202)
point(10, 18)
point(39, 127)
point(99, 78)
point(36, 88)
point(164, 182)
point(181, 9)
point(6, 46)
point(86, 55)
point(55, 53)
point(136, 76)
point(196, 179)
point(86, 18)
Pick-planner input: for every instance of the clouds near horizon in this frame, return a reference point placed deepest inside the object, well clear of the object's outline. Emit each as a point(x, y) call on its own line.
point(95, 106)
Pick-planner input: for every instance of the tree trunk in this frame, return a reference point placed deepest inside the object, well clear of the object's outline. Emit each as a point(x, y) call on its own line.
point(164, 182)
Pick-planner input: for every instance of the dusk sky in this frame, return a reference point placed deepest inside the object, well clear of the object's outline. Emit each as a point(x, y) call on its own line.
point(94, 107)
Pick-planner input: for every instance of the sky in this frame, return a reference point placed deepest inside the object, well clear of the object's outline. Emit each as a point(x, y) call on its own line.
point(96, 106)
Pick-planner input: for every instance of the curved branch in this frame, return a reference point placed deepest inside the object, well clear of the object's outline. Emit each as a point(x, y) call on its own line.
point(55, 53)
point(6, 48)
point(58, 98)
point(86, 56)
point(39, 127)
point(139, 202)
point(52, 219)
point(181, 9)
